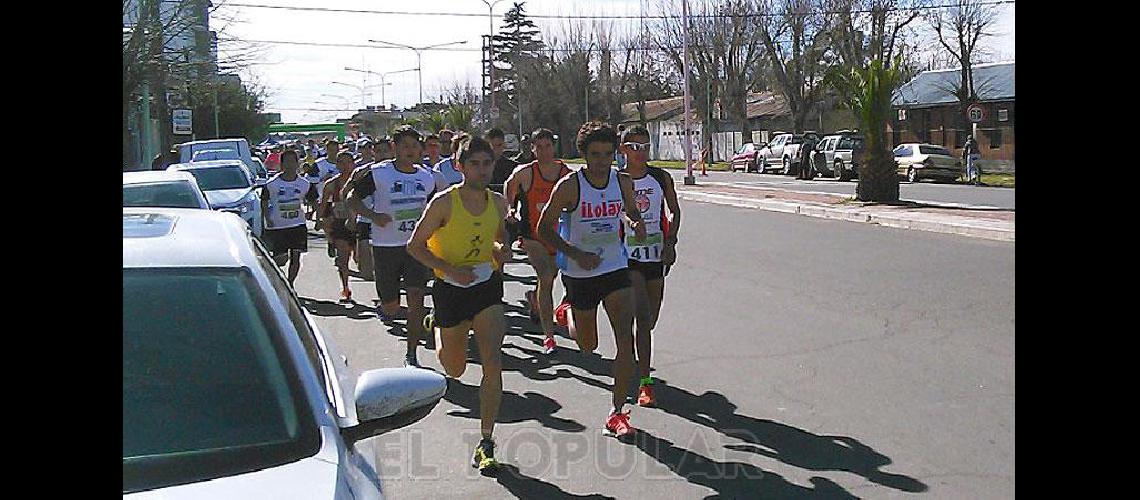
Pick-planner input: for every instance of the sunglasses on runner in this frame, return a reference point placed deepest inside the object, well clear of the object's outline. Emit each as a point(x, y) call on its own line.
point(637, 146)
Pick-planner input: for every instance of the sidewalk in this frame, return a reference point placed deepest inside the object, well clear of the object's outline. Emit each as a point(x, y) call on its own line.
point(977, 222)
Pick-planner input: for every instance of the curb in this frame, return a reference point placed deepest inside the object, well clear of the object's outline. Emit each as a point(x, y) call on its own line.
point(985, 229)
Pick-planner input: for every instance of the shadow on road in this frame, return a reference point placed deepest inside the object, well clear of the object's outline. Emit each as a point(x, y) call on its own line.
point(790, 445)
point(514, 408)
point(328, 308)
point(731, 479)
point(523, 486)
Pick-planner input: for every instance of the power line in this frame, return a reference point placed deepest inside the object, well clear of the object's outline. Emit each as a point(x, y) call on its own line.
point(452, 49)
point(548, 16)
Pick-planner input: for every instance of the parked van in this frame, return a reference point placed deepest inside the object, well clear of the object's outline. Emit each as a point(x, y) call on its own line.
point(187, 150)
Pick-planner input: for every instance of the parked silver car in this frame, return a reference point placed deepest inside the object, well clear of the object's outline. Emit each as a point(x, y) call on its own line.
point(230, 187)
point(229, 388)
point(927, 161)
point(162, 188)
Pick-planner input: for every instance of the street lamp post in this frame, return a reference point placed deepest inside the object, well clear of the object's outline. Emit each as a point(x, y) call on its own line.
point(419, 57)
point(383, 103)
point(689, 179)
point(589, 50)
point(361, 88)
point(490, 40)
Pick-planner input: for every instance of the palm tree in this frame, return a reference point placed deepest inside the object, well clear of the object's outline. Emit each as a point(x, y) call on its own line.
point(459, 117)
point(868, 91)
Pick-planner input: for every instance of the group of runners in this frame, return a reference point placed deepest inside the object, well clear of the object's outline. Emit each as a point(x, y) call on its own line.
point(449, 206)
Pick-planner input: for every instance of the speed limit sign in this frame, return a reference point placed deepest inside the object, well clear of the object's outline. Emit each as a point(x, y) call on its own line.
point(976, 113)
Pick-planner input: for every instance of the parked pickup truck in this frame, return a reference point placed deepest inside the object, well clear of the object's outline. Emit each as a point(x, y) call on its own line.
point(781, 153)
point(839, 155)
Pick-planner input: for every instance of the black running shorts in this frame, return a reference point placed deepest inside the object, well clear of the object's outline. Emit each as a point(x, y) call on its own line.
point(454, 305)
point(586, 293)
point(650, 270)
point(393, 263)
point(363, 231)
point(280, 241)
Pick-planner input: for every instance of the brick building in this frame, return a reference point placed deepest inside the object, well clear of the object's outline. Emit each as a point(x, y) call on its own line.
point(926, 110)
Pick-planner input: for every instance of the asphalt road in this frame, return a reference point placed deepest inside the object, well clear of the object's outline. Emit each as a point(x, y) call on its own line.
point(927, 191)
point(798, 357)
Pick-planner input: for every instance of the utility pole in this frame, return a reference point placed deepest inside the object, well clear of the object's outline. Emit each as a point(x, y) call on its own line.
point(689, 179)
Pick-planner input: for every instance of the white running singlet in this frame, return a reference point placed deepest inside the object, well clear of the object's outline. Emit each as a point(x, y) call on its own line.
point(649, 195)
point(285, 199)
point(403, 196)
point(594, 226)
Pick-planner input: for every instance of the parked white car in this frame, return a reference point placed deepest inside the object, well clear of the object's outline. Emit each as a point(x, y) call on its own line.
point(919, 161)
point(162, 188)
point(230, 187)
point(230, 391)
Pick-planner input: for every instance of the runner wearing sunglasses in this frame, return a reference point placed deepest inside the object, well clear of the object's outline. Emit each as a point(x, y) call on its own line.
point(649, 259)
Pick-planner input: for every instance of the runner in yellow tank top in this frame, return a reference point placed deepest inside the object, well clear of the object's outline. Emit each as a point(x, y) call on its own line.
point(462, 238)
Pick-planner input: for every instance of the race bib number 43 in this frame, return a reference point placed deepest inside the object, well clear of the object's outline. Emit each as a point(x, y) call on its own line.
point(407, 219)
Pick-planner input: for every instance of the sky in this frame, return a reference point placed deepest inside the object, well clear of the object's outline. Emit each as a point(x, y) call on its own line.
point(299, 78)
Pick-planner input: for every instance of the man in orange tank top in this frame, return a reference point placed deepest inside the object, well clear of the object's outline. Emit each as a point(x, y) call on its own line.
point(529, 186)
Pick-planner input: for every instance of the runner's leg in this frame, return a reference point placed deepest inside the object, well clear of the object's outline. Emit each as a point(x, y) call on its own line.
point(364, 256)
point(489, 329)
point(584, 328)
point(294, 265)
point(343, 250)
point(544, 267)
point(416, 314)
point(619, 308)
point(452, 352)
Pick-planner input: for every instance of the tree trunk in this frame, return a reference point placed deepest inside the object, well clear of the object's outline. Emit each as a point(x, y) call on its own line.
point(878, 181)
point(878, 175)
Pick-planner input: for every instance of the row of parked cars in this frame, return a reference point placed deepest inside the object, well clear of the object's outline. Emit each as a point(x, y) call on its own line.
point(839, 155)
point(230, 390)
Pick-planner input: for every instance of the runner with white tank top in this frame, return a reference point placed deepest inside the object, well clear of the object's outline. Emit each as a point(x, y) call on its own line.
point(583, 222)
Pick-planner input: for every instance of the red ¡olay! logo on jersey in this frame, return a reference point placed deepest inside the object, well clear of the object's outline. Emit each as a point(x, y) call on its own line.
point(608, 209)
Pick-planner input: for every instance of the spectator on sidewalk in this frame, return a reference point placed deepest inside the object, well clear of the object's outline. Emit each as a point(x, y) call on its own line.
point(971, 155)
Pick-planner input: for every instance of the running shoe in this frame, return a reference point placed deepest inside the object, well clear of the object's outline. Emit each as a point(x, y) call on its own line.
point(411, 361)
point(560, 314)
point(548, 346)
point(346, 295)
point(645, 396)
point(532, 304)
point(484, 457)
point(617, 425)
point(429, 322)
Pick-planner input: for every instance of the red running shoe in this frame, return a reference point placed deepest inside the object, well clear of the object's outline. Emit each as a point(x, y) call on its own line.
point(560, 313)
point(617, 425)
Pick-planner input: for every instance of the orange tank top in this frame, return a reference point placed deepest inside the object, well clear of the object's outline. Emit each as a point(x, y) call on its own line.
point(536, 198)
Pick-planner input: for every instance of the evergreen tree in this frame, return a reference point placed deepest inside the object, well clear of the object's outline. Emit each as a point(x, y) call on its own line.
point(517, 44)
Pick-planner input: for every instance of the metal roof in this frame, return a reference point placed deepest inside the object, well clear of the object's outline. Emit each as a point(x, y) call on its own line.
point(993, 82)
point(185, 237)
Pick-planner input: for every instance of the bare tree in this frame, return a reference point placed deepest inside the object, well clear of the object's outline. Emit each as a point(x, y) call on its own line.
point(958, 29)
point(725, 56)
point(798, 52)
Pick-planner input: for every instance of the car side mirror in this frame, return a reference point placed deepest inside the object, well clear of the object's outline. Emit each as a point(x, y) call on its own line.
point(390, 398)
point(260, 182)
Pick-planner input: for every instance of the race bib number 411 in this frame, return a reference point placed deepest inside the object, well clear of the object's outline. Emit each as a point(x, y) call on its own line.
point(648, 249)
